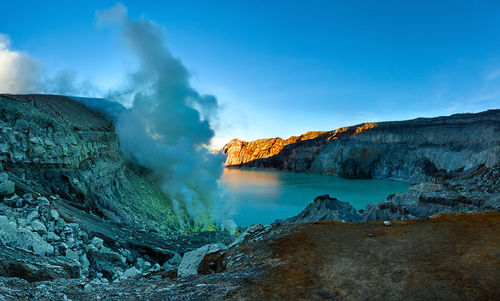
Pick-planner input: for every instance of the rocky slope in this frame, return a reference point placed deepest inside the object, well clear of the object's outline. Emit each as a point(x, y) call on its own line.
point(65, 148)
point(446, 257)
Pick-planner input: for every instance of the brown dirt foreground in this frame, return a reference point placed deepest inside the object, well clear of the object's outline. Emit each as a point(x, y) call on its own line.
point(445, 257)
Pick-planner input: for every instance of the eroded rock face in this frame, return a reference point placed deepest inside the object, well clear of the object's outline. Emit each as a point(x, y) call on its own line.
point(414, 150)
point(239, 152)
point(65, 148)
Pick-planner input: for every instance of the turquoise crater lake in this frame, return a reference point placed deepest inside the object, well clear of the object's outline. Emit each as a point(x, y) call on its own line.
point(262, 196)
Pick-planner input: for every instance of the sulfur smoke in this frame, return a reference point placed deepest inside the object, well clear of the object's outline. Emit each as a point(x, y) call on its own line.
point(167, 127)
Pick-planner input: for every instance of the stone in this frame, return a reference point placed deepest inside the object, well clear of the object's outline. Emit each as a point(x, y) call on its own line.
point(40, 246)
point(38, 226)
point(54, 214)
point(24, 264)
point(43, 201)
point(191, 260)
point(75, 228)
point(97, 242)
point(7, 188)
point(11, 201)
point(84, 261)
point(8, 230)
point(72, 255)
point(387, 223)
point(324, 208)
point(132, 272)
point(61, 223)
point(28, 197)
point(156, 267)
point(51, 236)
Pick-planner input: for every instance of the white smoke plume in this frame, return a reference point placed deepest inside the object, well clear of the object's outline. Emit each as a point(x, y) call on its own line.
point(162, 130)
point(21, 73)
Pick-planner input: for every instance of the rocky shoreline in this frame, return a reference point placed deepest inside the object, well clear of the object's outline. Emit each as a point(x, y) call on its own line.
point(453, 161)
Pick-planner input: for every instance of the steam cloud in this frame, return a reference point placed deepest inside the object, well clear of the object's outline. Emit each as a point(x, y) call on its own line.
point(20, 73)
point(162, 130)
point(167, 127)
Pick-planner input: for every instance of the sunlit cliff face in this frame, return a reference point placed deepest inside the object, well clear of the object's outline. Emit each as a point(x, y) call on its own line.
point(351, 130)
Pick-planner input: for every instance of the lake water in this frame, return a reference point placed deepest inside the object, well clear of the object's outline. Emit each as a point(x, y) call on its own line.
point(262, 196)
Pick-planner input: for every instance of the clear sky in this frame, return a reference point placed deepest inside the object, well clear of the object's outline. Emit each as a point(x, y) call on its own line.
point(280, 68)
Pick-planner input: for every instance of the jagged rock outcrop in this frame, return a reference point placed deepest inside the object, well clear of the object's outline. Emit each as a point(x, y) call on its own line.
point(414, 150)
point(324, 208)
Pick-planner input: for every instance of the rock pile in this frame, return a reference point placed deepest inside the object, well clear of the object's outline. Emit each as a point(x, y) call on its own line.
point(32, 227)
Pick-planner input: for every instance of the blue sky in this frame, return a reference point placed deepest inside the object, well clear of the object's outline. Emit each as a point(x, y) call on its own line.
point(281, 68)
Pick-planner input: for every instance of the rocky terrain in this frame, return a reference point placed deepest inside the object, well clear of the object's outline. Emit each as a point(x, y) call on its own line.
point(446, 257)
point(79, 222)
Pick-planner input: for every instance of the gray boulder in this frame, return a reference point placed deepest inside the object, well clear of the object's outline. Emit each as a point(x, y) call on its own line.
point(39, 227)
point(7, 187)
point(32, 267)
point(131, 273)
point(191, 260)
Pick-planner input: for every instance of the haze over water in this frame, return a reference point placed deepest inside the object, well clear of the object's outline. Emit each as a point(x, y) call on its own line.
point(262, 196)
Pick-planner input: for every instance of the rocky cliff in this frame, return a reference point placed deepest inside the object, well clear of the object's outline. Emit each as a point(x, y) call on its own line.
point(414, 150)
point(240, 152)
point(64, 148)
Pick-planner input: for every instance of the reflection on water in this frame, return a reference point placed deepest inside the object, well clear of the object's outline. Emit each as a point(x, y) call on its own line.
point(261, 196)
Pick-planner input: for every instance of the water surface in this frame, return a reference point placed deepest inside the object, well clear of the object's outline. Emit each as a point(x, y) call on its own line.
point(262, 196)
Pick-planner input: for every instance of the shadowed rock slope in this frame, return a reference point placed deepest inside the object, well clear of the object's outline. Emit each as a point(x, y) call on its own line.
point(65, 148)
